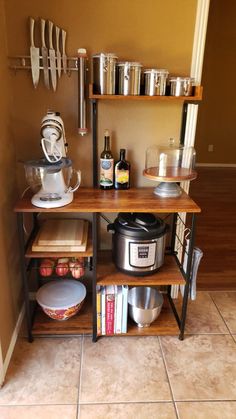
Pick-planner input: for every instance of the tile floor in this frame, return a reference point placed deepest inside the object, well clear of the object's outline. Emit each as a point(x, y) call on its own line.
point(133, 377)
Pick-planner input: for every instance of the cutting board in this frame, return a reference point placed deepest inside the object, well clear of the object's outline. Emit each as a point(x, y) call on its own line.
point(36, 247)
point(61, 232)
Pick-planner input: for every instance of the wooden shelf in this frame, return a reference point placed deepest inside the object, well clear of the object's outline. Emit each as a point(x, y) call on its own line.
point(197, 97)
point(80, 324)
point(107, 273)
point(132, 200)
point(165, 324)
point(88, 252)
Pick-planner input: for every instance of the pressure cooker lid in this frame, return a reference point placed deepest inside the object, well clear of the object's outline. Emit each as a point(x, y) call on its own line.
point(139, 225)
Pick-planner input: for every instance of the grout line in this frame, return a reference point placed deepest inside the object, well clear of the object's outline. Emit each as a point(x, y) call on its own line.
point(168, 378)
point(221, 315)
point(176, 410)
point(80, 371)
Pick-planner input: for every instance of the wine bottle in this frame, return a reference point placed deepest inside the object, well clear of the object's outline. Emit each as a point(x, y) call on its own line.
point(122, 172)
point(106, 164)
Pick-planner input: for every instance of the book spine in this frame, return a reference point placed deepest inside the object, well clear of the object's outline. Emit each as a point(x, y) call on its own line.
point(125, 309)
point(103, 310)
point(119, 298)
point(99, 312)
point(110, 310)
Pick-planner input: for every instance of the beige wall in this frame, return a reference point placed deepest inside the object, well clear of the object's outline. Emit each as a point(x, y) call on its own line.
point(216, 120)
point(149, 31)
point(9, 268)
point(146, 31)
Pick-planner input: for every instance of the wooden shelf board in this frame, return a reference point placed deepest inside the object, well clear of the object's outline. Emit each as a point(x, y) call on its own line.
point(88, 252)
point(165, 324)
point(107, 273)
point(197, 96)
point(132, 200)
point(80, 324)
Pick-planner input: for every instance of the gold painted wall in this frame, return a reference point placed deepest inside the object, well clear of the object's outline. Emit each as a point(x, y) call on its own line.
point(216, 118)
point(10, 295)
point(149, 31)
point(145, 31)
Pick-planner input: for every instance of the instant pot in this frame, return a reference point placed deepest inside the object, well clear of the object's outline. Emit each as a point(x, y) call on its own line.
point(138, 243)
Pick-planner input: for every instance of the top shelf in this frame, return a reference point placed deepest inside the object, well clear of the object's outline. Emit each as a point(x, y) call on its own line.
point(132, 200)
point(196, 98)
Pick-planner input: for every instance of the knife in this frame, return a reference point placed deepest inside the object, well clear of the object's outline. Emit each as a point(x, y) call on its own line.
point(58, 51)
point(64, 57)
point(52, 57)
point(44, 55)
point(34, 55)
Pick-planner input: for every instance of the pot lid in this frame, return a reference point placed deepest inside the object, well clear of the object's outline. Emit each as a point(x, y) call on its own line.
point(142, 225)
point(129, 64)
point(189, 79)
point(45, 164)
point(156, 71)
point(105, 54)
point(61, 294)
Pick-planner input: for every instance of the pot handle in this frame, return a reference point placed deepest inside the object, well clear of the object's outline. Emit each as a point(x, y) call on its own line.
point(78, 174)
point(110, 227)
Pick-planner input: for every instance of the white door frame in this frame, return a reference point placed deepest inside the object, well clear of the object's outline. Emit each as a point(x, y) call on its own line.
point(2, 375)
point(192, 109)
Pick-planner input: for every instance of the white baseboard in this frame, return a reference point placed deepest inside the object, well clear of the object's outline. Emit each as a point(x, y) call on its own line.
point(215, 165)
point(12, 343)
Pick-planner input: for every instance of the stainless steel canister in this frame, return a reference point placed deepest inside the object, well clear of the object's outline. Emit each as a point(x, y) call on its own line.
point(155, 82)
point(104, 73)
point(181, 86)
point(129, 78)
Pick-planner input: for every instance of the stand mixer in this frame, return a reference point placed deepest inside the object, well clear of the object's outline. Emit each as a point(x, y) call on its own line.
point(50, 177)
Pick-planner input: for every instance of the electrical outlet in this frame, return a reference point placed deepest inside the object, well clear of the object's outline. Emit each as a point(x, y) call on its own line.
point(210, 147)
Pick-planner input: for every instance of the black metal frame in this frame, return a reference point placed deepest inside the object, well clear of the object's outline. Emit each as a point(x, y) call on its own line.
point(180, 319)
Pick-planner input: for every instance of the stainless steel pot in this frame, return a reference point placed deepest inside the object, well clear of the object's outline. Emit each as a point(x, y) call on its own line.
point(104, 73)
point(181, 86)
point(138, 243)
point(129, 78)
point(155, 82)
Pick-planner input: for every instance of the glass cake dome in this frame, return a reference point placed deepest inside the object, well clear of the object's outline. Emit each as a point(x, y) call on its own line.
point(168, 165)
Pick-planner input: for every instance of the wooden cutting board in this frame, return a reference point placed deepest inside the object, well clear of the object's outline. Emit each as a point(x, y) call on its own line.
point(36, 247)
point(61, 232)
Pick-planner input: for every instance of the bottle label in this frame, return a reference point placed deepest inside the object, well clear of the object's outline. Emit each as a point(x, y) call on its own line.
point(106, 172)
point(122, 176)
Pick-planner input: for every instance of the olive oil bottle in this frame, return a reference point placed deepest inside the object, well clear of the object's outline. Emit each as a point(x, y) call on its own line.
point(106, 164)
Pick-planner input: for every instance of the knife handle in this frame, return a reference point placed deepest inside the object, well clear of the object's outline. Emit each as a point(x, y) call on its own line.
point(57, 38)
point(63, 41)
point(50, 28)
point(32, 32)
point(43, 33)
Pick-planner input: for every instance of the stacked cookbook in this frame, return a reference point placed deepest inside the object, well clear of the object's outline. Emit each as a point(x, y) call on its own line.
point(112, 309)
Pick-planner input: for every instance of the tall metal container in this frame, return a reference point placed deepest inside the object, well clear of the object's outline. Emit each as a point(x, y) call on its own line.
point(104, 73)
point(129, 78)
point(155, 82)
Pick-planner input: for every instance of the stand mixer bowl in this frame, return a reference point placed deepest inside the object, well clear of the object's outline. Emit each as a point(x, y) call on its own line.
point(51, 182)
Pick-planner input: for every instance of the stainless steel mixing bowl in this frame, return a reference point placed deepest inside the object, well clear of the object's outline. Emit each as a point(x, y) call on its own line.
point(145, 305)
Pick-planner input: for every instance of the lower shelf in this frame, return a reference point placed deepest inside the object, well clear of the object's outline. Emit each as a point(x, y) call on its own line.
point(81, 324)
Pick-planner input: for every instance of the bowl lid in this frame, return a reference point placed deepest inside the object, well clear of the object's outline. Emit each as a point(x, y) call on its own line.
point(62, 294)
point(45, 164)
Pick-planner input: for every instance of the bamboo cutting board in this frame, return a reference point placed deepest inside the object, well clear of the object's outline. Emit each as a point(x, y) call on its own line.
point(36, 247)
point(61, 232)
